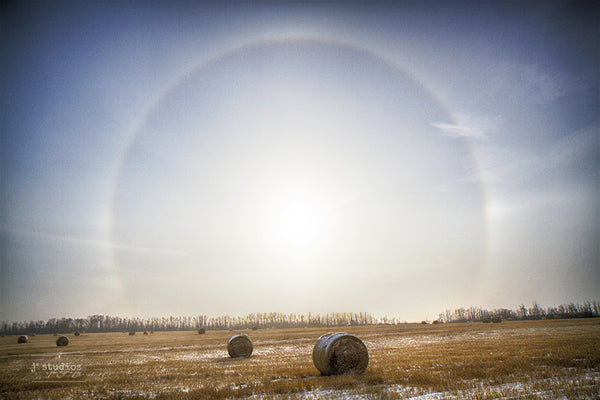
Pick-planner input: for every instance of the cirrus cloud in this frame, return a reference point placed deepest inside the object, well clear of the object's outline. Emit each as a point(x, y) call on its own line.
point(463, 125)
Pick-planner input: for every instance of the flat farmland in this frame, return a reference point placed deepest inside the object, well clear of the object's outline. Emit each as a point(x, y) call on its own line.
point(552, 359)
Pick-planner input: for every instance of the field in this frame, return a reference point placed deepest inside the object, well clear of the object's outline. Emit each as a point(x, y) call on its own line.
point(553, 359)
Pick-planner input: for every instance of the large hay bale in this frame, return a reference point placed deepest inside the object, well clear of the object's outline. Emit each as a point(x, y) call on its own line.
point(131, 333)
point(340, 353)
point(77, 333)
point(62, 341)
point(201, 331)
point(22, 339)
point(145, 332)
point(239, 346)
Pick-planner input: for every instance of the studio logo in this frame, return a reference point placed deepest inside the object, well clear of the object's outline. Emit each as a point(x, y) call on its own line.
point(57, 371)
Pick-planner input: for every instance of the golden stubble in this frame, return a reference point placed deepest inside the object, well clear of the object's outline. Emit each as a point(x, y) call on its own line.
point(527, 359)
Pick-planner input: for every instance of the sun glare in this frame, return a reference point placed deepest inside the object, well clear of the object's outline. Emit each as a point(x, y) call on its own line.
point(300, 221)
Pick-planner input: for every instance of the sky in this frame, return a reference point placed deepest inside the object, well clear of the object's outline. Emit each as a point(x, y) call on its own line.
point(174, 158)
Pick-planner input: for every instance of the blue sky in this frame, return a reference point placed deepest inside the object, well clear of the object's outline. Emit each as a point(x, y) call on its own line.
point(178, 159)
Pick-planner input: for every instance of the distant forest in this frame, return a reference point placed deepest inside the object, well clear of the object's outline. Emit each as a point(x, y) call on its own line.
point(476, 314)
point(106, 323)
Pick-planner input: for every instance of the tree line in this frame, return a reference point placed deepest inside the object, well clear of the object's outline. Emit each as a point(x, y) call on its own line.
point(477, 314)
point(107, 323)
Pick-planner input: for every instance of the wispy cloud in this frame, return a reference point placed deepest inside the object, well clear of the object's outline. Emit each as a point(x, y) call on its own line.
point(457, 130)
point(561, 175)
point(344, 202)
point(99, 243)
point(528, 83)
point(521, 167)
point(467, 126)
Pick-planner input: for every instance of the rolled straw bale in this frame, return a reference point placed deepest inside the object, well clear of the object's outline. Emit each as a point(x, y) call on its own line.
point(340, 353)
point(239, 346)
point(131, 333)
point(22, 339)
point(201, 331)
point(77, 333)
point(145, 332)
point(62, 341)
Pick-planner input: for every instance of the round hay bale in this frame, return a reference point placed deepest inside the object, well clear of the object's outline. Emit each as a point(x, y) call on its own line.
point(131, 333)
point(201, 331)
point(152, 332)
point(62, 341)
point(239, 346)
point(145, 332)
point(22, 339)
point(77, 333)
point(340, 353)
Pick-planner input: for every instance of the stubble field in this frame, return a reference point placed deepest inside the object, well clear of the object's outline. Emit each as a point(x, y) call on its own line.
point(554, 359)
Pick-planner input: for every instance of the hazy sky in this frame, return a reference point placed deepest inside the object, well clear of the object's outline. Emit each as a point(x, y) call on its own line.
point(176, 159)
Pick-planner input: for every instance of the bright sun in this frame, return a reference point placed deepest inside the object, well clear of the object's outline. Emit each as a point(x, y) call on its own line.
point(300, 221)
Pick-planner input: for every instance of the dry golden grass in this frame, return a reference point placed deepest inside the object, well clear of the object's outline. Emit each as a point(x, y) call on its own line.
point(557, 359)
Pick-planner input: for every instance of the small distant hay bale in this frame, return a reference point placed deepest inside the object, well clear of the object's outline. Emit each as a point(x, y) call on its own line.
point(201, 331)
point(152, 332)
point(77, 333)
point(22, 339)
point(62, 341)
point(145, 332)
point(131, 333)
point(239, 346)
point(32, 334)
point(340, 353)
point(254, 328)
